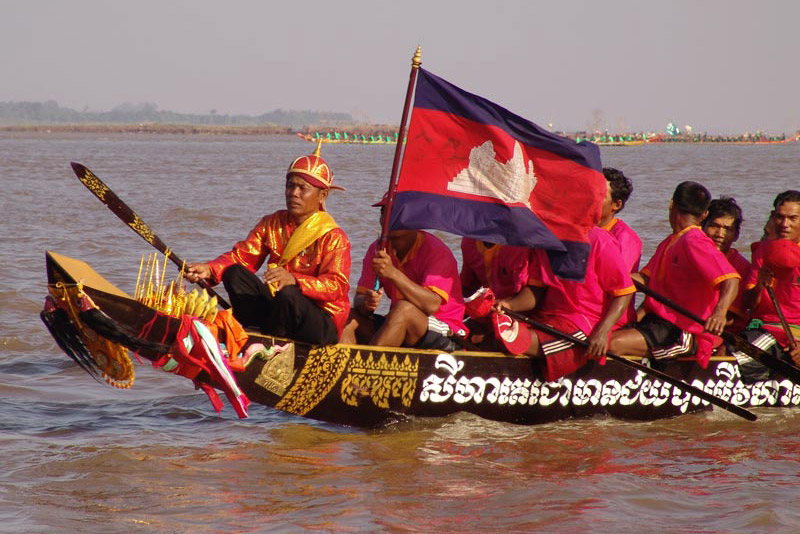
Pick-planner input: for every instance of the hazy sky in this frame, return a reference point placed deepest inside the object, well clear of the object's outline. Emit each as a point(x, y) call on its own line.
point(719, 66)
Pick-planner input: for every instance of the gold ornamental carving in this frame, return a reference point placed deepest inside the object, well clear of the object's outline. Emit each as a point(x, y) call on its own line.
point(94, 184)
point(277, 373)
point(322, 370)
point(391, 376)
point(141, 228)
point(110, 358)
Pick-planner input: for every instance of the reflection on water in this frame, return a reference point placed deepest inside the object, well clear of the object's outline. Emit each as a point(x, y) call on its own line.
point(79, 456)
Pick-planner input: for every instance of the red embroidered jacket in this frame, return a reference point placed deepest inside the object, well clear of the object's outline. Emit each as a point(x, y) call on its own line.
point(322, 270)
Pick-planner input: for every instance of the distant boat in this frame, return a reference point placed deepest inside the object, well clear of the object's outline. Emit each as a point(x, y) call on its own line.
point(344, 137)
point(619, 140)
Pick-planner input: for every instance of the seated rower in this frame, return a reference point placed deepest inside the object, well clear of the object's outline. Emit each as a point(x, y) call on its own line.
point(630, 245)
point(420, 275)
point(688, 269)
point(303, 294)
point(489, 271)
point(776, 263)
point(618, 192)
point(501, 268)
point(587, 310)
point(722, 225)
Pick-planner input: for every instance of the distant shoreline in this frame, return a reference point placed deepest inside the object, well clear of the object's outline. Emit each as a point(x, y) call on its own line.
point(182, 129)
point(368, 130)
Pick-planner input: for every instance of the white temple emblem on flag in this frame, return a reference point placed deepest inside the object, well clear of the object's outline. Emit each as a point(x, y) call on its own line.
point(510, 182)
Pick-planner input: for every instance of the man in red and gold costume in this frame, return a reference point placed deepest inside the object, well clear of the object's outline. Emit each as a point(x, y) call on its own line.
point(303, 295)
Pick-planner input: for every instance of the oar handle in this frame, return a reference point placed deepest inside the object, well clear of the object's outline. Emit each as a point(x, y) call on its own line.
point(668, 302)
point(784, 323)
point(790, 371)
point(129, 217)
point(697, 392)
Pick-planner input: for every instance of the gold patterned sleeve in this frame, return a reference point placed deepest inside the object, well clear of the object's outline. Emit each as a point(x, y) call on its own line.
point(250, 253)
point(332, 284)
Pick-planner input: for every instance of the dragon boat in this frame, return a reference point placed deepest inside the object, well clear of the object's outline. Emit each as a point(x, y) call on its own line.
point(349, 138)
point(97, 324)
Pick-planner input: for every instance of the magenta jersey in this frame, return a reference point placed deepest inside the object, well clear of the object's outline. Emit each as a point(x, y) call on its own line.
point(787, 291)
point(502, 268)
point(742, 267)
point(686, 268)
point(584, 303)
point(431, 264)
point(629, 243)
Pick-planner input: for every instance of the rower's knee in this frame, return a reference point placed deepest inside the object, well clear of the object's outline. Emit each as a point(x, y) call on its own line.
point(629, 342)
point(404, 312)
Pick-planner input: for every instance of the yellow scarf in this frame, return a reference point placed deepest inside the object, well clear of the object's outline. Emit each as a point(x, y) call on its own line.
point(316, 226)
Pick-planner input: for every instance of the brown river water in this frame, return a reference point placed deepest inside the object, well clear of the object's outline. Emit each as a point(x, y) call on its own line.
point(80, 456)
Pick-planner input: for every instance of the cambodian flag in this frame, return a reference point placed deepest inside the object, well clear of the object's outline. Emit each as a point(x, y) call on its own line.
point(475, 169)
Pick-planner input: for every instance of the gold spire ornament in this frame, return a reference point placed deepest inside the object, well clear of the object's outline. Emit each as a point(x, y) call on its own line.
point(416, 61)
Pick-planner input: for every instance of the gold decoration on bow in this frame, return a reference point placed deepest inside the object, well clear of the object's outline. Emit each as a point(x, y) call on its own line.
point(111, 358)
point(382, 379)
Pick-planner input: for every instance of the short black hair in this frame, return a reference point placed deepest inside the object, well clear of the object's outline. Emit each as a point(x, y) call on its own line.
point(725, 207)
point(792, 195)
point(621, 186)
point(692, 198)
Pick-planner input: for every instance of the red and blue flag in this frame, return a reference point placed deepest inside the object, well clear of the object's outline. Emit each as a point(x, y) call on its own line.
point(473, 168)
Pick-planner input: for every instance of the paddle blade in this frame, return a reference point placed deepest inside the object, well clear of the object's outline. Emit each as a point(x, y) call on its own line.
point(116, 205)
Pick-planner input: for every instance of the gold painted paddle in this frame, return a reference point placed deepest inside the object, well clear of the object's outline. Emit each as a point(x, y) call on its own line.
point(129, 217)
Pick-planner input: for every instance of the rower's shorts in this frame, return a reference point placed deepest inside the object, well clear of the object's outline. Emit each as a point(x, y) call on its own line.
point(750, 369)
point(437, 336)
point(665, 340)
point(561, 357)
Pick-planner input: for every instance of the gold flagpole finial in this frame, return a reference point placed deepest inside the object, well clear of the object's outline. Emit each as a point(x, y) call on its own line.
point(416, 61)
point(319, 147)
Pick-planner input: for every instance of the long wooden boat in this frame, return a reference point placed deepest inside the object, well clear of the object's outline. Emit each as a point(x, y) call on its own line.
point(368, 386)
point(352, 139)
point(636, 142)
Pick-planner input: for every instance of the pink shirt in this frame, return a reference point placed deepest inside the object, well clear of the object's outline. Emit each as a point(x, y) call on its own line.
point(742, 267)
point(431, 264)
point(584, 303)
point(502, 268)
point(787, 291)
point(686, 268)
point(629, 243)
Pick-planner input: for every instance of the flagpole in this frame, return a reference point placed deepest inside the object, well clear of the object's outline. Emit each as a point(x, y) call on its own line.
point(416, 61)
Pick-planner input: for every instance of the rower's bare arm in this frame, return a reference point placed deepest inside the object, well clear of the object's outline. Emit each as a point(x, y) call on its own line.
point(421, 297)
point(728, 289)
point(523, 301)
point(795, 354)
point(751, 297)
point(641, 278)
point(598, 340)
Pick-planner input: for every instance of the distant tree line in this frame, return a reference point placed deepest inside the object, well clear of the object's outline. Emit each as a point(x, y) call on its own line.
point(51, 113)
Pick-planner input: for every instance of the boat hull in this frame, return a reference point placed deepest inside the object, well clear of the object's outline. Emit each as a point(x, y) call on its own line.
point(368, 386)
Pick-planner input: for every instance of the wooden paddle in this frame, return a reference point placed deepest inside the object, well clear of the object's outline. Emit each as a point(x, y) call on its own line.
point(784, 323)
point(680, 384)
point(129, 217)
point(790, 371)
